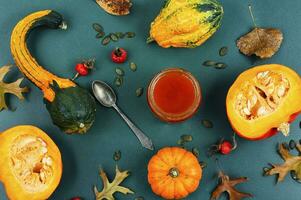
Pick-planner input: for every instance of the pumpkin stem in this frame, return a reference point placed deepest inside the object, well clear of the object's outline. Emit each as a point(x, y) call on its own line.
point(174, 172)
point(63, 25)
point(284, 128)
point(75, 76)
point(252, 15)
point(234, 142)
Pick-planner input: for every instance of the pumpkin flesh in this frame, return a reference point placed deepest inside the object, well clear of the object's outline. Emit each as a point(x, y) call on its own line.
point(262, 100)
point(174, 173)
point(30, 163)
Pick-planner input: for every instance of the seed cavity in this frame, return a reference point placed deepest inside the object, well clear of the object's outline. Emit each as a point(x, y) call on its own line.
point(30, 162)
point(261, 95)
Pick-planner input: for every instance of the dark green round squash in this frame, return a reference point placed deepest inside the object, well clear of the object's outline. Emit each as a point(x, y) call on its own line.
point(71, 107)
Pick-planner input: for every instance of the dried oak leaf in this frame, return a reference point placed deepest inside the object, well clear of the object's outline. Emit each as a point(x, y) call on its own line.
point(291, 163)
point(227, 185)
point(11, 88)
point(110, 188)
point(115, 7)
point(264, 43)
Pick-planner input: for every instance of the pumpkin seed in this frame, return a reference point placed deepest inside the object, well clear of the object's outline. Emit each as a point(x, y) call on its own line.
point(100, 35)
point(130, 34)
point(180, 142)
point(139, 92)
point(195, 151)
point(118, 81)
point(265, 170)
point(223, 51)
point(97, 27)
point(203, 164)
point(186, 138)
point(114, 37)
point(133, 66)
point(285, 145)
point(207, 123)
point(139, 198)
point(220, 65)
point(117, 155)
point(106, 40)
point(120, 35)
point(209, 63)
point(295, 177)
point(119, 71)
point(292, 144)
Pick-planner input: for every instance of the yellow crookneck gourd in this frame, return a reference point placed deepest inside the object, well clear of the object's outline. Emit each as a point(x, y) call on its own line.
point(71, 107)
point(186, 23)
point(30, 163)
point(26, 63)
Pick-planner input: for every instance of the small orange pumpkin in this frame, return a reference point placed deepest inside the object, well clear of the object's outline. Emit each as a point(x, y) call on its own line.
point(174, 173)
point(264, 100)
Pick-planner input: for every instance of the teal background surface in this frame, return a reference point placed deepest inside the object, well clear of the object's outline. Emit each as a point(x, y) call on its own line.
point(82, 155)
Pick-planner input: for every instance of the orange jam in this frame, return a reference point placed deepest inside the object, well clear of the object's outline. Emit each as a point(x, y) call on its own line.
point(174, 95)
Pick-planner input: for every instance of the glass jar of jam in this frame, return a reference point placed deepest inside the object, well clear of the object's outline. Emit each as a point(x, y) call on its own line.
point(174, 95)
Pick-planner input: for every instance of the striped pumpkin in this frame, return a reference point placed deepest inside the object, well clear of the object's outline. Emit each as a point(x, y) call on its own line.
point(186, 23)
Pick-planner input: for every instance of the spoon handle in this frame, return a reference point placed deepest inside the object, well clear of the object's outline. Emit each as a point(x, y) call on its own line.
point(144, 140)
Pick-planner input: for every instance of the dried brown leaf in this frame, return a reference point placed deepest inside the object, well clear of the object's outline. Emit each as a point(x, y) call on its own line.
point(115, 7)
point(291, 163)
point(264, 43)
point(110, 188)
point(11, 88)
point(227, 185)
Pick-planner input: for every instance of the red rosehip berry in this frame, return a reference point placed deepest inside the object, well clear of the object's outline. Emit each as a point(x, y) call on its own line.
point(119, 55)
point(76, 198)
point(225, 147)
point(82, 69)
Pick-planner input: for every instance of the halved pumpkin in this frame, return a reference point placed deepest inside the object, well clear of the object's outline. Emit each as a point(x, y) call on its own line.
point(264, 100)
point(30, 163)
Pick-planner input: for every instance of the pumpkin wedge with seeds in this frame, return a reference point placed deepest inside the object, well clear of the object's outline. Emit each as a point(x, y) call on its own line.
point(264, 100)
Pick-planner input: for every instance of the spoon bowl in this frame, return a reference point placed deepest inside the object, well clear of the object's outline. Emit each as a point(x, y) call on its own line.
point(104, 93)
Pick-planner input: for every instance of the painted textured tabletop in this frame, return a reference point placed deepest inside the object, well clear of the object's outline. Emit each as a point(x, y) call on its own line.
point(82, 155)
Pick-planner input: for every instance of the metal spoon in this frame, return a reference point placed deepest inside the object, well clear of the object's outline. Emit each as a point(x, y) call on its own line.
point(107, 97)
